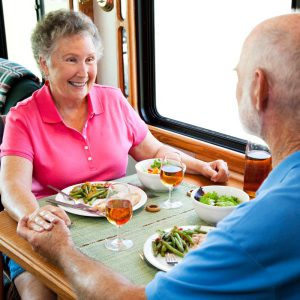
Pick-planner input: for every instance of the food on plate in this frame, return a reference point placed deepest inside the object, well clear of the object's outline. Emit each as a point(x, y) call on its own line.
point(135, 198)
point(155, 167)
point(213, 199)
point(178, 241)
point(94, 194)
point(90, 192)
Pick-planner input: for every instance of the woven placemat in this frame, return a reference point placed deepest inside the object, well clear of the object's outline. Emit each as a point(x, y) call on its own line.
point(89, 233)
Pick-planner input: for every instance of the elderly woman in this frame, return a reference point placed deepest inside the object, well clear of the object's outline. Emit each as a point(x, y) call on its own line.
point(70, 131)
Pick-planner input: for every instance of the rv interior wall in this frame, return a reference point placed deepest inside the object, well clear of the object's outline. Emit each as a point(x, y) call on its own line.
point(107, 67)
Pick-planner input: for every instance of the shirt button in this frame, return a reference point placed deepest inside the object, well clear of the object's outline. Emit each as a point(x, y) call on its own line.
point(89, 158)
point(86, 147)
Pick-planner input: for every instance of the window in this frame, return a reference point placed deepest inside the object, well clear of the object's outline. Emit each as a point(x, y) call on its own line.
point(186, 55)
point(19, 23)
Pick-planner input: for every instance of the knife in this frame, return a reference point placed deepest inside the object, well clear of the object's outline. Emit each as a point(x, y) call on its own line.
point(79, 206)
point(61, 192)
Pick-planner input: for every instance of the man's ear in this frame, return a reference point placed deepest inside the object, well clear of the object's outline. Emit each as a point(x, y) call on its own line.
point(260, 90)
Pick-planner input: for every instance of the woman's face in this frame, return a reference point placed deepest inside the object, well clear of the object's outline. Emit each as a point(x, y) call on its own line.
point(72, 68)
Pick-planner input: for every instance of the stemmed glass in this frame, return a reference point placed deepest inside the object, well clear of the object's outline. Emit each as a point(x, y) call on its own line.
point(118, 211)
point(171, 175)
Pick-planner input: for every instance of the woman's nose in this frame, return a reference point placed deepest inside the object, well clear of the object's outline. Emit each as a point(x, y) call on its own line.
point(82, 69)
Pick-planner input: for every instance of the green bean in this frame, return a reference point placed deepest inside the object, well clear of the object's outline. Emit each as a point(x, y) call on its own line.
point(163, 249)
point(178, 244)
point(173, 240)
point(154, 248)
point(172, 249)
point(186, 237)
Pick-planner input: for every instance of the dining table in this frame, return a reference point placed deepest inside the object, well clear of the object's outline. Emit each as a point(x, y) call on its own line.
point(89, 235)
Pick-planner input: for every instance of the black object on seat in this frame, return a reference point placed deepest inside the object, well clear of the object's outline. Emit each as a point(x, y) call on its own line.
point(16, 84)
point(22, 89)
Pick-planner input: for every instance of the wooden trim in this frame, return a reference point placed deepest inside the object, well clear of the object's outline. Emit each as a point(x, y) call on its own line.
point(201, 150)
point(71, 4)
point(128, 24)
point(86, 6)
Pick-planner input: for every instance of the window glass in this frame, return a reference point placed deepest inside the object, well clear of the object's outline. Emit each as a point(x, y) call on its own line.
point(51, 5)
point(197, 47)
point(19, 23)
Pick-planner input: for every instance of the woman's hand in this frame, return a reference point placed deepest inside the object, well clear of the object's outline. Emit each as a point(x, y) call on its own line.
point(43, 217)
point(216, 170)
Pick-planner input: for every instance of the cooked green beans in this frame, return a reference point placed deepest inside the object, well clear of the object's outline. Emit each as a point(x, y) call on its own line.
point(177, 241)
point(89, 192)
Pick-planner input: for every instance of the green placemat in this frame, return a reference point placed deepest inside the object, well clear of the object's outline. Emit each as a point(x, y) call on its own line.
point(89, 233)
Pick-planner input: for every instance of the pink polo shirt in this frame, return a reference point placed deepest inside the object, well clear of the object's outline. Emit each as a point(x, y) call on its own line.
point(62, 156)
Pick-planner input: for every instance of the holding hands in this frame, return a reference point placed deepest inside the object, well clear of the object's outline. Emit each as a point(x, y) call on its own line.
point(49, 242)
point(43, 218)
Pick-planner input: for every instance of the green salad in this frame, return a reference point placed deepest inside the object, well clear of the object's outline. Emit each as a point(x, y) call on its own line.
point(213, 199)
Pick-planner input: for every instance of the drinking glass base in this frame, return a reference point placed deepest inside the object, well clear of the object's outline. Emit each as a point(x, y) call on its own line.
point(118, 244)
point(170, 204)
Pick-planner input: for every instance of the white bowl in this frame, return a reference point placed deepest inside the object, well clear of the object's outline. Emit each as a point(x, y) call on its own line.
point(150, 181)
point(213, 214)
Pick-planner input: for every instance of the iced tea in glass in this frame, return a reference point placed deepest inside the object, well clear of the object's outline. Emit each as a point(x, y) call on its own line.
point(258, 164)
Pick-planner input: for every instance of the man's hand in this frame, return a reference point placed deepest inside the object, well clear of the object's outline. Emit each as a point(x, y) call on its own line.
point(49, 243)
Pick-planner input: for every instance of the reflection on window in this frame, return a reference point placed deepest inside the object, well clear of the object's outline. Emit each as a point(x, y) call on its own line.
point(123, 9)
point(125, 61)
point(197, 47)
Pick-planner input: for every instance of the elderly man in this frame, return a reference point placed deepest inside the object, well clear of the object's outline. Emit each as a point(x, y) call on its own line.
point(254, 252)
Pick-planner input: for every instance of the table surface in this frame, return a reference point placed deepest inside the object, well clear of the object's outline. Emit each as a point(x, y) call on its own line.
point(89, 235)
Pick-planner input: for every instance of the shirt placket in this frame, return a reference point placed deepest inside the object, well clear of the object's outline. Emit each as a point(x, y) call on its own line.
point(86, 146)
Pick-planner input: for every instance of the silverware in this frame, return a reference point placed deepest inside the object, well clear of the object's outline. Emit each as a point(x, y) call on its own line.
point(79, 206)
point(143, 258)
point(171, 259)
point(61, 192)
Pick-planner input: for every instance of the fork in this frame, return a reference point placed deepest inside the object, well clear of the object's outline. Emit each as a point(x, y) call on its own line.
point(171, 259)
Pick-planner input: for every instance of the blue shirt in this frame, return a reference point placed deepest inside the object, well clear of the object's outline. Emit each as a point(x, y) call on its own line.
point(253, 254)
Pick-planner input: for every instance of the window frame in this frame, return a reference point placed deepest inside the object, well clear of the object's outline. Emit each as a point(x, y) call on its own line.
point(145, 45)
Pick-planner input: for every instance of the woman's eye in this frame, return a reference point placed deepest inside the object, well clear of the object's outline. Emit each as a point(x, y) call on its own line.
point(71, 59)
point(91, 59)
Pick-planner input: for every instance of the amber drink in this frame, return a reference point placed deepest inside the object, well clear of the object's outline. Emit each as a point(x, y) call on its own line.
point(171, 175)
point(257, 167)
point(118, 211)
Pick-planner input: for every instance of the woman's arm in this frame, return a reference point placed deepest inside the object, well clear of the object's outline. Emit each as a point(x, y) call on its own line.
point(150, 147)
point(17, 198)
point(16, 181)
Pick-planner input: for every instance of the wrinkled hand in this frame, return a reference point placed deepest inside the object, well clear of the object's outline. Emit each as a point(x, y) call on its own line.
point(216, 170)
point(43, 217)
point(49, 243)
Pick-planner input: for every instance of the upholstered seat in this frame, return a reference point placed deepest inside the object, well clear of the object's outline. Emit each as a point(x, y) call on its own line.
point(16, 84)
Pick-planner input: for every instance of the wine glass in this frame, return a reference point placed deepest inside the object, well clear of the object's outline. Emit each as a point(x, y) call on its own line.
point(118, 211)
point(171, 175)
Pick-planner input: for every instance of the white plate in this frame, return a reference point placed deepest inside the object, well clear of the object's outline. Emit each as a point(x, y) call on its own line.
point(160, 262)
point(75, 211)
